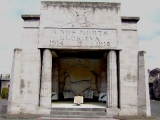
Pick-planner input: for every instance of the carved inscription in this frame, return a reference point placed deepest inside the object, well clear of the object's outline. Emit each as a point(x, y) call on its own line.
point(80, 37)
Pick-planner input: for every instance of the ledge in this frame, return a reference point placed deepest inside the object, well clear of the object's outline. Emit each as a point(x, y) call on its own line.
point(130, 19)
point(81, 3)
point(30, 17)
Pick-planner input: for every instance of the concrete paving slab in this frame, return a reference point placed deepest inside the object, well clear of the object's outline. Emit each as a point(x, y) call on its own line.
point(155, 108)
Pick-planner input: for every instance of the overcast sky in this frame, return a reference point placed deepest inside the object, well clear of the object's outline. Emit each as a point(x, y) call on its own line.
point(11, 26)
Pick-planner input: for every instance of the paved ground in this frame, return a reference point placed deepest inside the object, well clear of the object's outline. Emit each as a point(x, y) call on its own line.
point(2, 102)
point(155, 108)
point(155, 111)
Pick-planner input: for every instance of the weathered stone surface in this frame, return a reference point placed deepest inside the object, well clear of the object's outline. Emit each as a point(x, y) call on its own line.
point(128, 72)
point(100, 21)
point(27, 72)
point(112, 111)
point(112, 94)
point(67, 37)
point(31, 24)
point(129, 23)
point(143, 88)
point(45, 95)
point(30, 71)
point(14, 95)
point(127, 26)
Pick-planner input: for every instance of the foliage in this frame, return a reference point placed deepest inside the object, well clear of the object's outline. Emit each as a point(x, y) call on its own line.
point(7, 76)
point(4, 94)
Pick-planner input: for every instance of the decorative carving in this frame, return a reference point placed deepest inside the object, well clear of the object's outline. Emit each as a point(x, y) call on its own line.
point(80, 78)
point(79, 17)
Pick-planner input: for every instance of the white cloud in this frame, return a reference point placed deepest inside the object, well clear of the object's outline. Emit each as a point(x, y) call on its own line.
point(11, 28)
point(151, 47)
point(152, 52)
point(148, 29)
point(145, 26)
point(12, 25)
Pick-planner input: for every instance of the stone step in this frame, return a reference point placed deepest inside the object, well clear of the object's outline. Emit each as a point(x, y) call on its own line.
point(79, 109)
point(74, 117)
point(76, 113)
point(81, 113)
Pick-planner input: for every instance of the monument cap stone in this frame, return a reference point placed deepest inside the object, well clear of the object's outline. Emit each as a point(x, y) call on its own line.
point(30, 17)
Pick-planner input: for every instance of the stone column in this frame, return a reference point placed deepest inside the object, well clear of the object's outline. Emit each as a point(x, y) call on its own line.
point(112, 94)
point(143, 87)
point(45, 95)
point(14, 90)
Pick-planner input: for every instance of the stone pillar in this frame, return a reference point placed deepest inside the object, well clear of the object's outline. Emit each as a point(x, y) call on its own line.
point(45, 95)
point(14, 90)
point(143, 87)
point(112, 93)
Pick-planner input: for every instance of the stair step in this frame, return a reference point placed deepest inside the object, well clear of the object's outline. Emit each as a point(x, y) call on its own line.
point(74, 117)
point(88, 113)
point(79, 116)
point(79, 109)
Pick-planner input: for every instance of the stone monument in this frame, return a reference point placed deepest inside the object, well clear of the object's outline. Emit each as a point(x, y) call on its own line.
point(78, 48)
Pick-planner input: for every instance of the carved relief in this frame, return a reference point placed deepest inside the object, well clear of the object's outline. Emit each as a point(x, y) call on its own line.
point(78, 25)
point(79, 17)
point(79, 78)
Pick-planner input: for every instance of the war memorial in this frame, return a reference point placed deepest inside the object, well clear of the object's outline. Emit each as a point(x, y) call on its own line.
point(84, 49)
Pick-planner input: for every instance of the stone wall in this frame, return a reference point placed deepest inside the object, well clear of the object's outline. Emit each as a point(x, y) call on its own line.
point(28, 72)
point(30, 68)
point(128, 68)
point(100, 20)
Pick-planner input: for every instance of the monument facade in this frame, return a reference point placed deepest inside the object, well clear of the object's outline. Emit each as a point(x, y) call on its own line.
point(78, 48)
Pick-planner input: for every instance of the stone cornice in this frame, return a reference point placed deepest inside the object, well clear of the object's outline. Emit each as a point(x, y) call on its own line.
point(130, 19)
point(30, 17)
point(109, 5)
